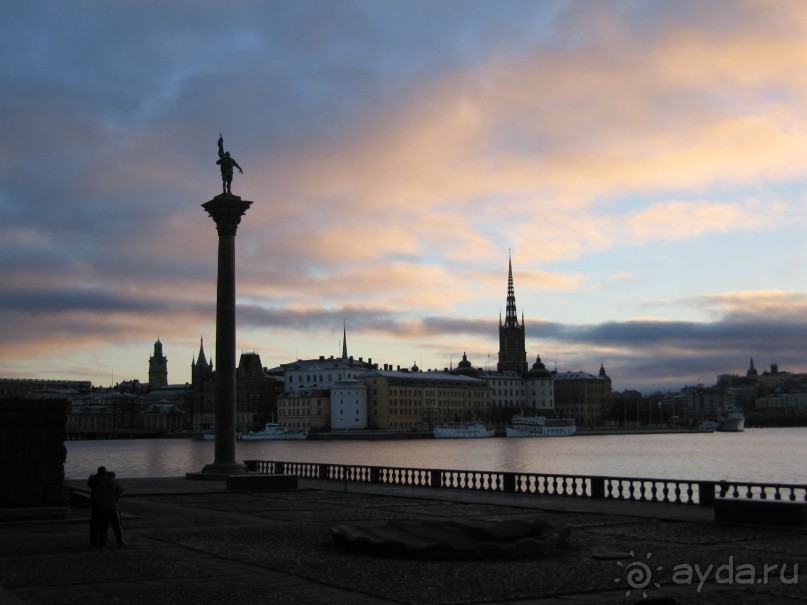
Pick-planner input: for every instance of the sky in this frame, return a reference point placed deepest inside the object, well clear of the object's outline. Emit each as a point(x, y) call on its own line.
point(643, 164)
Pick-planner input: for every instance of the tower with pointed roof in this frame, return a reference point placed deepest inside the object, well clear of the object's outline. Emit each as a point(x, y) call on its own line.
point(158, 367)
point(512, 338)
point(200, 366)
point(202, 390)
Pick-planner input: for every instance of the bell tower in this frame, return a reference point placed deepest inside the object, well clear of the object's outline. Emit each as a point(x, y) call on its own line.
point(512, 339)
point(158, 367)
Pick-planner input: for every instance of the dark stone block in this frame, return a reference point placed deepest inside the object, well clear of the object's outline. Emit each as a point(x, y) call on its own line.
point(462, 539)
point(32, 452)
point(761, 512)
point(254, 482)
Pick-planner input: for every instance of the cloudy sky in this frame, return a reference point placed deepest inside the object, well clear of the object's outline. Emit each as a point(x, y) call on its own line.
point(644, 163)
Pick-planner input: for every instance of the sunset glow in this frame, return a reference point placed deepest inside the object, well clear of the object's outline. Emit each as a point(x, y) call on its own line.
point(644, 164)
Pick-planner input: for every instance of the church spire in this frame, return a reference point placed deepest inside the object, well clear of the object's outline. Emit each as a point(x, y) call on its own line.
point(511, 316)
point(344, 340)
point(512, 348)
point(201, 360)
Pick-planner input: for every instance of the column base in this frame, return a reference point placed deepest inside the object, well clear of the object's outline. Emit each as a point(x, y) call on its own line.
point(218, 472)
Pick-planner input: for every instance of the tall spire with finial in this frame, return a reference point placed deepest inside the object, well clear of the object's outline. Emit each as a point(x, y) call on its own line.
point(344, 340)
point(512, 340)
point(511, 317)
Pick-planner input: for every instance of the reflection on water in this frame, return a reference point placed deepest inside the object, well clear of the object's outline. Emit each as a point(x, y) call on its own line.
point(772, 455)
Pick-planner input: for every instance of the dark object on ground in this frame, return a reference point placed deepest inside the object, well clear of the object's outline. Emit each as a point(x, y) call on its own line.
point(485, 540)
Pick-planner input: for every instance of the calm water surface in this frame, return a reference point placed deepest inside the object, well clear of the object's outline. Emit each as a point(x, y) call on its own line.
point(772, 455)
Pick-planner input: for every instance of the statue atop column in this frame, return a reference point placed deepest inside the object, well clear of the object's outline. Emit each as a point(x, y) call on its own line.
point(227, 163)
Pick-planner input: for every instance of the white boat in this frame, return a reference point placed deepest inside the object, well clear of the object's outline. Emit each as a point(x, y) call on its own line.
point(728, 421)
point(709, 425)
point(273, 430)
point(462, 430)
point(540, 426)
point(734, 422)
point(205, 435)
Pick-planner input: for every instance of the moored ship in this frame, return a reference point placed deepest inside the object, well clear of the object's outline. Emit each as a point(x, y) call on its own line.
point(733, 422)
point(540, 426)
point(273, 430)
point(462, 430)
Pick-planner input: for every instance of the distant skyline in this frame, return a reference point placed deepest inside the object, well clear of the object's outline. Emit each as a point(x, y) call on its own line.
point(644, 162)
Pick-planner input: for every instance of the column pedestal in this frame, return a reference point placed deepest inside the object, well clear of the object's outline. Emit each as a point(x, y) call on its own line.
point(226, 210)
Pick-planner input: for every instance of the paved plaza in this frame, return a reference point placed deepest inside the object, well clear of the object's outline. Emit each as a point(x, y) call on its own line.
point(191, 542)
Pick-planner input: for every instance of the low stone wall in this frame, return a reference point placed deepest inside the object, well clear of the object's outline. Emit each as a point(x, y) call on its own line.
point(32, 452)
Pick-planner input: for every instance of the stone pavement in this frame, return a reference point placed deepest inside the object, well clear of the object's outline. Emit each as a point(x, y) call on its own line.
point(192, 542)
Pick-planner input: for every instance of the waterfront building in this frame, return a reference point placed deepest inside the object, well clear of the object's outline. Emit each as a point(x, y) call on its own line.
point(348, 405)
point(539, 389)
point(24, 387)
point(314, 389)
point(256, 392)
point(158, 367)
point(508, 388)
point(163, 416)
point(304, 409)
point(321, 373)
point(408, 401)
point(583, 396)
point(785, 409)
point(90, 415)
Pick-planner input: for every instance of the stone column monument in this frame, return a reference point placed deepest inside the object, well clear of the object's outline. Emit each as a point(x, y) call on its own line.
point(226, 210)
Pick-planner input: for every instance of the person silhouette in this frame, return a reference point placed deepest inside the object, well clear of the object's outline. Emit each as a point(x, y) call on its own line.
point(227, 164)
point(108, 490)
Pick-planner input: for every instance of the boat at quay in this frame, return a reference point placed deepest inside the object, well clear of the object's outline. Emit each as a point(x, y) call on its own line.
point(462, 430)
point(272, 430)
point(730, 421)
point(540, 426)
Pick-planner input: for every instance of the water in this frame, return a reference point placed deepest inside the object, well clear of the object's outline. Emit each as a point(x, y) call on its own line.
point(760, 455)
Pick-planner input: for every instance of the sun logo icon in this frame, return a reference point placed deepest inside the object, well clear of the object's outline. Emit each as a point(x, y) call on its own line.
point(638, 575)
